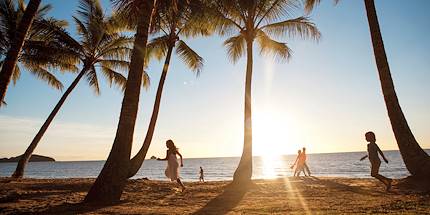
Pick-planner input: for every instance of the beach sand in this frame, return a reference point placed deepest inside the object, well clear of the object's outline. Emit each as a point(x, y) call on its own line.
point(311, 195)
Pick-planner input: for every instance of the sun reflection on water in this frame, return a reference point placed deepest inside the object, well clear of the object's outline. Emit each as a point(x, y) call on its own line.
point(270, 165)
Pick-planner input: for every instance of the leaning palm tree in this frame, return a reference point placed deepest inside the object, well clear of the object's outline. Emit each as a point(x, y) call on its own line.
point(110, 183)
point(417, 161)
point(9, 64)
point(175, 21)
point(101, 48)
point(260, 21)
point(41, 33)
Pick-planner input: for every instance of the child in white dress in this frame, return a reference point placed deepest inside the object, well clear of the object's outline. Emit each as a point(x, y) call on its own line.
point(172, 170)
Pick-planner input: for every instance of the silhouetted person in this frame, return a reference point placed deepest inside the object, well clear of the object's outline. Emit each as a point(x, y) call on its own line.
point(172, 170)
point(305, 165)
point(375, 162)
point(201, 177)
point(299, 163)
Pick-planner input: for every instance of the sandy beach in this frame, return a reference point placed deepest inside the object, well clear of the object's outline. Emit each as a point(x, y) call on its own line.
point(311, 195)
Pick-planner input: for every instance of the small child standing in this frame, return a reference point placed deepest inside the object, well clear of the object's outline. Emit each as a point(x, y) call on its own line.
point(375, 162)
point(201, 178)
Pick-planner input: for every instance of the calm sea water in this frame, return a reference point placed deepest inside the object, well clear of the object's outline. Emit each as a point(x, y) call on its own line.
point(333, 164)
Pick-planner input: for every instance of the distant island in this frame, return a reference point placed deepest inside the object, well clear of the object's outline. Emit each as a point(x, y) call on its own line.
point(33, 158)
point(153, 157)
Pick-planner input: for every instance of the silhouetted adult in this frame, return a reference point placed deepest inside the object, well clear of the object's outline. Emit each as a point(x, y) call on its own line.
point(305, 165)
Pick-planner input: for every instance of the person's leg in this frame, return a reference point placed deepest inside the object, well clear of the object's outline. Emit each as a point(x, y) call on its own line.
point(180, 183)
point(307, 169)
point(375, 173)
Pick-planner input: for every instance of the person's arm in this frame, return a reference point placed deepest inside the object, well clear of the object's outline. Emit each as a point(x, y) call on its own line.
point(364, 157)
point(297, 158)
point(182, 163)
point(163, 159)
point(382, 154)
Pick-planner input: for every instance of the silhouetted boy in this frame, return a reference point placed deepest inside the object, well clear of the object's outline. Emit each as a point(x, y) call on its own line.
point(201, 178)
point(375, 162)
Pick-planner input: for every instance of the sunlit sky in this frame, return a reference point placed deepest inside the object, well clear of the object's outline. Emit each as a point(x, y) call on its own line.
point(325, 98)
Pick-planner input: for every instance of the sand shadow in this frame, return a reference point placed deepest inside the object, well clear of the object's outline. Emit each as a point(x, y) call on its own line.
point(341, 187)
point(75, 208)
point(413, 185)
point(226, 201)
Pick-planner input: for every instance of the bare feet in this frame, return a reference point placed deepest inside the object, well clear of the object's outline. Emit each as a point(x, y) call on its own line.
point(390, 181)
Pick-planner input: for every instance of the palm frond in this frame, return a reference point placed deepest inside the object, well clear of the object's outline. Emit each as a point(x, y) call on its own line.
point(92, 79)
point(157, 47)
point(16, 74)
point(146, 81)
point(310, 4)
point(44, 75)
point(235, 47)
point(189, 57)
point(268, 46)
point(274, 10)
point(115, 64)
point(299, 27)
point(114, 77)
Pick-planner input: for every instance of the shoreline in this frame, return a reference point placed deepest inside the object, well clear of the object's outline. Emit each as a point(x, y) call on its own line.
point(285, 195)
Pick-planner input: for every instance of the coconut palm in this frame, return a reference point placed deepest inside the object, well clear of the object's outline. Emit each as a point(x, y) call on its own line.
point(110, 183)
point(417, 161)
point(175, 21)
point(100, 49)
point(260, 21)
point(12, 55)
point(40, 33)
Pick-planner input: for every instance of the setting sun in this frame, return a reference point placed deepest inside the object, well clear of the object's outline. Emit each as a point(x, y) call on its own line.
point(272, 133)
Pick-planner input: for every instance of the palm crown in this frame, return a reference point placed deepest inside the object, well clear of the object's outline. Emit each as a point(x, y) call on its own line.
point(40, 34)
point(100, 47)
point(173, 22)
point(261, 20)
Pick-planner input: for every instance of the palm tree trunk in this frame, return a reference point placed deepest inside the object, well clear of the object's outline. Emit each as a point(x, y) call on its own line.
point(243, 172)
point(137, 161)
point(19, 171)
point(16, 46)
point(111, 181)
point(416, 159)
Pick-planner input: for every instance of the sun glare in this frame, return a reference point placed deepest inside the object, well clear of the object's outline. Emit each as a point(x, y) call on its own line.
point(270, 133)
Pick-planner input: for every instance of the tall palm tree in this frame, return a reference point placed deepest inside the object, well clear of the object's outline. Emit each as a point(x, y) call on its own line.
point(260, 21)
point(9, 64)
point(175, 21)
point(110, 183)
point(40, 34)
point(417, 161)
point(101, 48)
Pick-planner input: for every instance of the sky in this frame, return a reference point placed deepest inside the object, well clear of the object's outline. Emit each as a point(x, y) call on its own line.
point(325, 98)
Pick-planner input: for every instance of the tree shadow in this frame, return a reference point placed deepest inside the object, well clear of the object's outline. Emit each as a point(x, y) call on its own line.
point(223, 203)
point(14, 196)
point(76, 208)
point(341, 187)
point(413, 185)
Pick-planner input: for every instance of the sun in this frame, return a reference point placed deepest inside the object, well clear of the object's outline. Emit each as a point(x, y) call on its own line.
point(271, 133)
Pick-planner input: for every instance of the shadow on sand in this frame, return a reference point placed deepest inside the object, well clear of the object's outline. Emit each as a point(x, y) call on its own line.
point(75, 208)
point(341, 187)
point(225, 202)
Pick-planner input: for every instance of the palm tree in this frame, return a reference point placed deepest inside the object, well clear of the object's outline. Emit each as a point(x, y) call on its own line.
point(258, 20)
point(9, 64)
point(110, 183)
point(40, 33)
point(174, 21)
point(101, 49)
point(417, 161)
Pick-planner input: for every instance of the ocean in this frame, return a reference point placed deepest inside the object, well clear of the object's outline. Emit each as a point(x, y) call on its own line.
point(215, 169)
